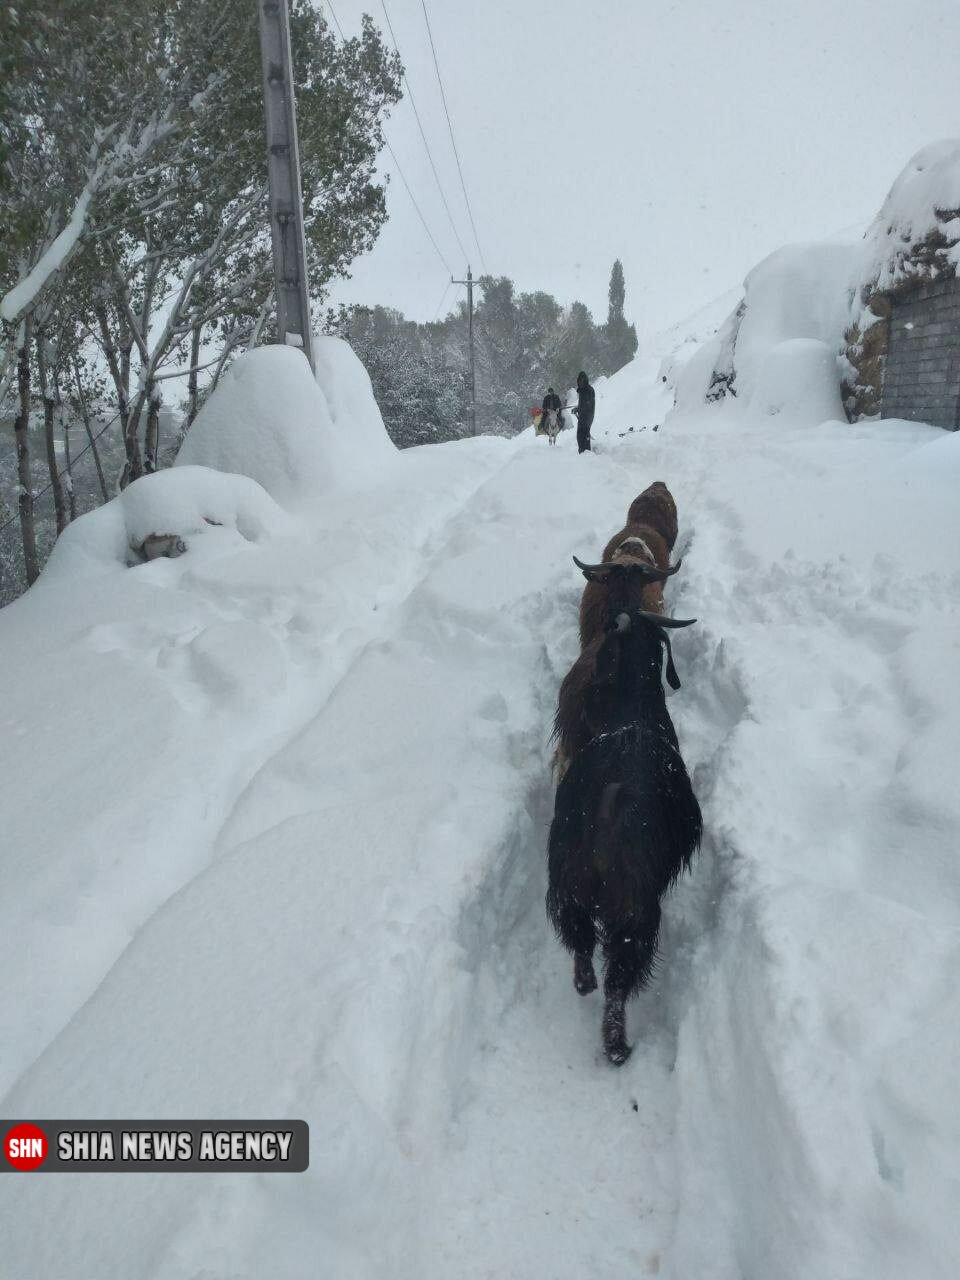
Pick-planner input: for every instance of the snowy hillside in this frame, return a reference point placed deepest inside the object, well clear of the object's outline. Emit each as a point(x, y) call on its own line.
point(312, 883)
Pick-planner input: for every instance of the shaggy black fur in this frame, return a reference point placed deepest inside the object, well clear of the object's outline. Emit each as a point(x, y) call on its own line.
point(625, 825)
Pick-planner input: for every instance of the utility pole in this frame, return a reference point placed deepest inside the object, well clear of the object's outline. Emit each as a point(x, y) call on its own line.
point(473, 377)
point(283, 169)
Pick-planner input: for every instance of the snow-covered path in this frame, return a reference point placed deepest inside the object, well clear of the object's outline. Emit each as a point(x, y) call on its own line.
point(351, 927)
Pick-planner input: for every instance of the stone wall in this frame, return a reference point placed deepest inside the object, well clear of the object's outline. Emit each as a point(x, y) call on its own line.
point(921, 378)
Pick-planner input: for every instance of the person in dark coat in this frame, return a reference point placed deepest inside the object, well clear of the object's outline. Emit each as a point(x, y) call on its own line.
point(551, 401)
point(586, 403)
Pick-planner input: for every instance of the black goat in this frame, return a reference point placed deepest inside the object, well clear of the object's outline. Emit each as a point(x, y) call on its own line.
point(626, 821)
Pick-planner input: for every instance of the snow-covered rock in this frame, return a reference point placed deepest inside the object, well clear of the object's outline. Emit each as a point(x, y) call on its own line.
point(189, 501)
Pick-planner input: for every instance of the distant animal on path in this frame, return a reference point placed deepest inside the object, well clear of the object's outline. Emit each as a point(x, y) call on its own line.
point(626, 822)
point(551, 425)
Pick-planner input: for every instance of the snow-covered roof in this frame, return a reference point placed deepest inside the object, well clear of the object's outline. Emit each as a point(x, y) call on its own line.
point(916, 233)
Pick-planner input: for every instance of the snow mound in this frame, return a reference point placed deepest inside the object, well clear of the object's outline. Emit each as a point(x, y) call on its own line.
point(692, 351)
point(187, 501)
point(269, 419)
point(797, 378)
point(348, 392)
point(800, 291)
point(935, 463)
point(777, 351)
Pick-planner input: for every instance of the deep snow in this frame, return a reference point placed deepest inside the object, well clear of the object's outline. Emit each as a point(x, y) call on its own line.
point(275, 821)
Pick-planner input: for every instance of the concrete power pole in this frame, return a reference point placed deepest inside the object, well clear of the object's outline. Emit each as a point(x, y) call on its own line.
point(283, 169)
point(473, 377)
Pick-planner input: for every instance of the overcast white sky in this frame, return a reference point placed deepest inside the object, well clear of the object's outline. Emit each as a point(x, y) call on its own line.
point(688, 139)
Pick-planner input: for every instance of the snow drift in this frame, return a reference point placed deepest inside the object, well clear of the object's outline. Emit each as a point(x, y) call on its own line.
point(778, 350)
point(192, 502)
point(296, 435)
point(836, 294)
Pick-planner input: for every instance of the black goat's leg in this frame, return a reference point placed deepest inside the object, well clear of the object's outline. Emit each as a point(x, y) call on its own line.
point(615, 1029)
point(577, 932)
point(630, 950)
point(584, 975)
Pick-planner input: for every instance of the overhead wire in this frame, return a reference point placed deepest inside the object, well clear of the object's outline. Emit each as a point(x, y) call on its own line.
point(453, 142)
point(423, 135)
point(393, 155)
point(413, 201)
point(333, 14)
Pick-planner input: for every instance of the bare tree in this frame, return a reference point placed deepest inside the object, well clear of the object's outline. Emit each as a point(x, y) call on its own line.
point(21, 427)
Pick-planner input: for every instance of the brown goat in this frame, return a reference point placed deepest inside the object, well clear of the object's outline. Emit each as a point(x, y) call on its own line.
point(578, 714)
point(647, 540)
point(655, 507)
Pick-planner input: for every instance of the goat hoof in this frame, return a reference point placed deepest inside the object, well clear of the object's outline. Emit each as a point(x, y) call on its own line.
point(615, 1033)
point(584, 977)
point(618, 1052)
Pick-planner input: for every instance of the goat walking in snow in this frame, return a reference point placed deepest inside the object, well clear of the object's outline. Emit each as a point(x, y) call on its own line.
point(626, 821)
point(630, 578)
point(625, 583)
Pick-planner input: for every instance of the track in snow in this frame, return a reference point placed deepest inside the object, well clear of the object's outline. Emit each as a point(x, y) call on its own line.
point(552, 1153)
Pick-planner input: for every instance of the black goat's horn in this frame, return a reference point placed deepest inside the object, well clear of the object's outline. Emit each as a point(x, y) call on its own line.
point(660, 620)
point(653, 572)
point(649, 571)
point(593, 568)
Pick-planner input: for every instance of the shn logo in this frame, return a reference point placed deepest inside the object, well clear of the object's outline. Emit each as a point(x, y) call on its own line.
point(25, 1146)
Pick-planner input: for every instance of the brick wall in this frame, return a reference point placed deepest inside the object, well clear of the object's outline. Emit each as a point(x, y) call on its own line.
point(921, 378)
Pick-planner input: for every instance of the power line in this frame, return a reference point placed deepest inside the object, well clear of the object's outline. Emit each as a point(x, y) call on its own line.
point(393, 154)
point(446, 112)
point(333, 14)
point(423, 135)
point(396, 162)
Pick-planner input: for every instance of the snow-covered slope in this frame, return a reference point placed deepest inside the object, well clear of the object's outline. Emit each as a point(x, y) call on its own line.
point(275, 828)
